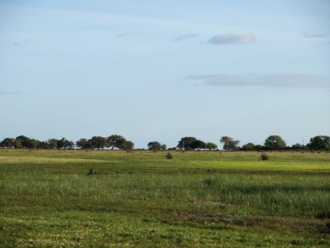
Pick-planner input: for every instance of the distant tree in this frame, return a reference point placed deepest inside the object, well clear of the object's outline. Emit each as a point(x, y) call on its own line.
point(99, 142)
point(275, 142)
point(197, 144)
point(52, 143)
point(68, 144)
point(248, 147)
point(64, 144)
point(319, 143)
point(82, 143)
point(185, 142)
point(211, 146)
point(225, 140)
point(154, 145)
point(60, 143)
point(8, 143)
point(43, 145)
point(89, 144)
point(163, 147)
point(33, 144)
point(24, 140)
point(129, 145)
point(229, 143)
point(297, 146)
point(117, 141)
point(18, 144)
point(258, 147)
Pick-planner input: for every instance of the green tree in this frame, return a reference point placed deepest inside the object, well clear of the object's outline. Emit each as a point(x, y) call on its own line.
point(99, 142)
point(82, 143)
point(129, 145)
point(24, 140)
point(154, 145)
point(229, 143)
point(275, 142)
point(52, 143)
point(117, 141)
point(18, 144)
point(185, 142)
point(211, 146)
point(248, 147)
point(225, 140)
point(319, 143)
point(33, 144)
point(64, 143)
point(163, 147)
point(297, 146)
point(8, 143)
point(43, 145)
point(197, 144)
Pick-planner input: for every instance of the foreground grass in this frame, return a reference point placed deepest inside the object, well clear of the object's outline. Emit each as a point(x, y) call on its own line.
point(143, 199)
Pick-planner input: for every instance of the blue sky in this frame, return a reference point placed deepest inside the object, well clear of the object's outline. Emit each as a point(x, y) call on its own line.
point(163, 70)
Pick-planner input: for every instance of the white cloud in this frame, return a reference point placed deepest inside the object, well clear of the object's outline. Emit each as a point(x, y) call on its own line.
point(308, 35)
point(275, 80)
point(186, 36)
point(231, 39)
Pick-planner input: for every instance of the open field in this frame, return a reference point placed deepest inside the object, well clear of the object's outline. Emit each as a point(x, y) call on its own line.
point(142, 199)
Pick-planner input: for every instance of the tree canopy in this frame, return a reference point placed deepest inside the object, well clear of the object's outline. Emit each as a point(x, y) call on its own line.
point(185, 142)
point(211, 146)
point(229, 143)
point(197, 144)
point(275, 142)
point(319, 143)
point(117, 141)
point(248, 147)
point(154, 145)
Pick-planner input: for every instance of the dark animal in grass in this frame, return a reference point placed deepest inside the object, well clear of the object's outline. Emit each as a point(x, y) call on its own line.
point(91, 172)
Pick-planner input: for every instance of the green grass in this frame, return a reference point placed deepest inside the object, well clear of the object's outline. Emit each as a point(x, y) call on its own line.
point(143, 199)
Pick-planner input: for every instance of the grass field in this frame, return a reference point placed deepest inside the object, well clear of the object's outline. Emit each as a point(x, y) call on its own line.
point(140, 198)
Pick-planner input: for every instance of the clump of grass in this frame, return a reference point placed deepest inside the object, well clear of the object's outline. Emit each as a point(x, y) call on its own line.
point(169, 155)
point(208, 182)
point(264, 156)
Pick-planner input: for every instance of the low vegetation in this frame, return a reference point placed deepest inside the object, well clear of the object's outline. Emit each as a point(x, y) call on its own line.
point(114, 198)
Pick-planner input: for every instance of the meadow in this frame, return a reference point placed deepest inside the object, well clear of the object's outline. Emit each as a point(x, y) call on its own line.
point(142, 199)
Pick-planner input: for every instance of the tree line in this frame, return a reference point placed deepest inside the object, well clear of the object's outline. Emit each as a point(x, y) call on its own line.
point(115, 141)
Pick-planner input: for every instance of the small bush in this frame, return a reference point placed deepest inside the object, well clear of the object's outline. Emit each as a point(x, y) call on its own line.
point(169, 155)
point(264, 156)
point(208, 182)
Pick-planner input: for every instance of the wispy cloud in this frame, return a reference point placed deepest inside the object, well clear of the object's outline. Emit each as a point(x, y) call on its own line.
point(275, 80)
point(308, 35)
point(20, 43)
point(122, 35)
point(4, 92)
point(231, 39)
point(185, 37)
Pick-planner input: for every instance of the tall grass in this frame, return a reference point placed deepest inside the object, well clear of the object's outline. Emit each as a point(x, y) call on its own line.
point(146, 199)
point(248, 195)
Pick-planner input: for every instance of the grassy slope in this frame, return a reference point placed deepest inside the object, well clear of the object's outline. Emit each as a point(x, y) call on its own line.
point(143, 199)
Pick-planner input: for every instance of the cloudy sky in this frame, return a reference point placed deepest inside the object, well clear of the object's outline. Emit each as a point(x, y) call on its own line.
point(155, 70)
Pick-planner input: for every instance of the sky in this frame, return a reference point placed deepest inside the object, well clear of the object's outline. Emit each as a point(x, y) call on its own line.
point(163, 70)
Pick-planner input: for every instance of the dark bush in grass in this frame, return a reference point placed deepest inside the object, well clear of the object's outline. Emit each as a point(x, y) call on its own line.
point(264, 156)
point(208, 181)
point(169, 155)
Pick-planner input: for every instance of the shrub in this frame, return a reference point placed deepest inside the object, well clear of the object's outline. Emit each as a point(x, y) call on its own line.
point(169, 155)
point(264, 156)
point(208, 182)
